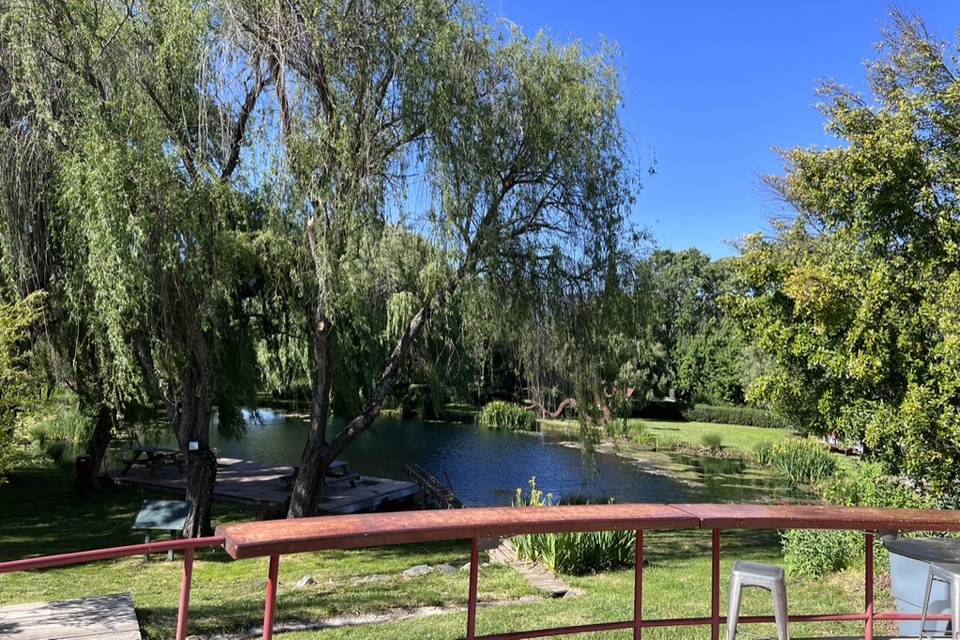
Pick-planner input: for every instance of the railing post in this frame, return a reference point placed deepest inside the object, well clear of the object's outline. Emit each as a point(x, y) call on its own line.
point(269, 608)
point(868, 589)
point(472, 593)
point(638, 588)
point(185, 593)
point(715, 587)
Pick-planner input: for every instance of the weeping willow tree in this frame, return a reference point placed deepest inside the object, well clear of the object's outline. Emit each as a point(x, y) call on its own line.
point(152, 220)
point(497, 148)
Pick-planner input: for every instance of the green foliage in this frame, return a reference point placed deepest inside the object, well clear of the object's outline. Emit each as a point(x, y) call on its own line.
point(498, 414)
point(747, 416)
point(712, 441)
point(801, 460)
point(17, 379)
point(572, 553)
point(704, 349)
point(763, 453)
point(817, 553)
point(856, 302)
point(866, 485)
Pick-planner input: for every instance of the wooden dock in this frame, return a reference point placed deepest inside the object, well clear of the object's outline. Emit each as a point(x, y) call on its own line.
point(250, 482)
point(100, 618)
point(237, 480)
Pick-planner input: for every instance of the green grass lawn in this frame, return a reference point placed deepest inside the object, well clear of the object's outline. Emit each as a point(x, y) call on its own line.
point(42, 514)
point(733, 436)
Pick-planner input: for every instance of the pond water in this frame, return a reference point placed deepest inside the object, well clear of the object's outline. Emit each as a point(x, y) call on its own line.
point(485, 467)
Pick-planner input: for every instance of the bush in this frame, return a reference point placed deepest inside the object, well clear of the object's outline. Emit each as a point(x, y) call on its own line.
point(815, 553)
point(506, 415)
point(712, 441)
point(802, 460)
point(746, 416)
point(572, 553)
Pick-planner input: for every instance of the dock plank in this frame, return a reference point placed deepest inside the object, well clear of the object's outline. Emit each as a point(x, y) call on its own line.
point(99, 618)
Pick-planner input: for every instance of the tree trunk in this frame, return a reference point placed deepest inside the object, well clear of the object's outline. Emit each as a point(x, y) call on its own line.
point(309, 484)
point(100, 439)
point(201, 477)
point(318, 455)
point(192, 425)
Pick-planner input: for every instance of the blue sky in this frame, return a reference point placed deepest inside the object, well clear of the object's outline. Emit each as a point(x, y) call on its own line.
point(711, 87)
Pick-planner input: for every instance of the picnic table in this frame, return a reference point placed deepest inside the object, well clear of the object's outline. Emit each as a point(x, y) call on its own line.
point(153, 457)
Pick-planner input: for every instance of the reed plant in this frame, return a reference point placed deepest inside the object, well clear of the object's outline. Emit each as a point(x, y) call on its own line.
point(572, 553)
point(802, 460)
point(498, 414)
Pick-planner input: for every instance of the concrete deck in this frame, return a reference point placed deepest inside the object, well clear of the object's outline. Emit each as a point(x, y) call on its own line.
point(100, 618)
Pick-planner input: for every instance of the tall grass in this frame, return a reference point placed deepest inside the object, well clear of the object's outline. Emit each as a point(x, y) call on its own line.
point(800, 460)
point(498, 414)
point(572, 553)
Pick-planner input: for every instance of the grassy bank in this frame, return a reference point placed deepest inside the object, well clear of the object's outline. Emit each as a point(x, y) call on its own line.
point(43, 515)
point(732, 436)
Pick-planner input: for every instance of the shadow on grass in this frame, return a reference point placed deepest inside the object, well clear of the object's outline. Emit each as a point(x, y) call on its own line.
point(44, 514)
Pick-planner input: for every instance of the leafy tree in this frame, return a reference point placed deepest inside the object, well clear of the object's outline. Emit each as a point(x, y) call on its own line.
point(151, 215)
point(855, 302)
point(703, 347)
point(516, 144)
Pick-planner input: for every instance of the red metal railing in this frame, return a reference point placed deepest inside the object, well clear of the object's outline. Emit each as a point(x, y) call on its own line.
point(188, 546)
point(275, 538)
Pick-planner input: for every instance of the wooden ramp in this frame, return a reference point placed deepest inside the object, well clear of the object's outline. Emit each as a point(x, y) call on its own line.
point(100, 618)
point(434, 493)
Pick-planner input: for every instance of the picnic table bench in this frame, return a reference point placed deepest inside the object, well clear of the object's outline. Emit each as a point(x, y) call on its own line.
point(153, 457)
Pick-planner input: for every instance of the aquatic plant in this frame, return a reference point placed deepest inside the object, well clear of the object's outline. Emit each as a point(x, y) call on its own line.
point(498, 414)
point(572, 553)
point(802, 460)
point(712, 441)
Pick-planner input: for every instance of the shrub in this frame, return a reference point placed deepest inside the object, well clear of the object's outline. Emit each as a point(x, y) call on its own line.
point(642, 437)
point(816, 553)
point(506, 415)
point(658, 410)
point(572, 553)
point(712, 441)
point(746, 416)
point(802, 460)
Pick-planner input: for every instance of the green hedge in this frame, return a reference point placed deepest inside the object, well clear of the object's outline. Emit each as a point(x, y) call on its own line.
point(746, 416)
point(506, 415)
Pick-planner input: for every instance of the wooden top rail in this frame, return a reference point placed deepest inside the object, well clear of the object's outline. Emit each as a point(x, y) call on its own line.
point(788, 516)
point(255, 539)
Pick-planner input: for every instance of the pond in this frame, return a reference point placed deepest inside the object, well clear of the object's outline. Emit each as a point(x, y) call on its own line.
point(485, 467)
